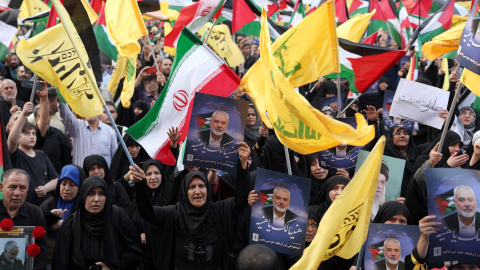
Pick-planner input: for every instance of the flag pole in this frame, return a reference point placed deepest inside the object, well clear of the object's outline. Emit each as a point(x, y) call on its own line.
point(35, 79)
point(350, 104)
point(360, 256)
point(211, 28)
point(339, 98)
point(154, 58)
point(287, 158)
point(313, 87)
point(450, 113)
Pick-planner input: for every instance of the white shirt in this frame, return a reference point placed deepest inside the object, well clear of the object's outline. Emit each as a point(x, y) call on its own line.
point(212, 144)
point(466, 231)
point(386, 265)
point(278, 222)
point(341, 153)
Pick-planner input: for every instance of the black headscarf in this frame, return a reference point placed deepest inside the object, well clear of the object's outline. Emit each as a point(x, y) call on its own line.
point(328, 87)
point(251, 132)
point(274, 157)
point(390, 209)
point(99, 160)
point(195, 224)
point(451, 138)
point(156, 195)
point(316, 185)
point(323, 198)
point(141, 105)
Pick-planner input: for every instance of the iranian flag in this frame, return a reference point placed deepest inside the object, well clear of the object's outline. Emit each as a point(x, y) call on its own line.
point(363, 64)
point(105, 42)
point(195, 69)
point(358, 7)
point(8, 28)
point(193, 17)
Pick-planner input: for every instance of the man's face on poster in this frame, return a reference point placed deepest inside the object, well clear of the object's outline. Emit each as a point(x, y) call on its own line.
point(281, 200)
point(382, 182)
point(219, 123)
point(12, 254)
point(465, 202)
point(392, 252)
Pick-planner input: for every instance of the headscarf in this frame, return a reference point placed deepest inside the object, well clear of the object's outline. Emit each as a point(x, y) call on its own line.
point(141, 105)
point(195, 224)
point(451, 138)
point(120, 164)
point(390, 209)
point(156, 195)
point(316, 185)
point(251, 132)
point(77, 175)
point(470, 128)
point(99, 160)
point(328, 87)
point(93, 223)
point(323, 198)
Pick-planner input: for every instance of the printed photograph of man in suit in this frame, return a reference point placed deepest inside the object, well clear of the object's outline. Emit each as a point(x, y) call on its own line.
point(466, 222)
point(216, 138)
point(393, 252)
point(278, 214)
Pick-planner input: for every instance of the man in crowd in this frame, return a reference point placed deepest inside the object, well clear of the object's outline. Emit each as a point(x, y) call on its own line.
point(9, 103)
point(55, 120)
point(151, 83)
point(14, 187)
point(166, 67)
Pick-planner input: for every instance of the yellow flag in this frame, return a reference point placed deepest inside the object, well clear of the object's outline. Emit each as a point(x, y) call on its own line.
point(443, 43)
point(168, 28)
point(297, 124)
point(125, 25)
point(118, 73)
point(344, 226)
point(306, 51)
point(471, 80)
point(30, 8)
point(58, 56)
point(129, 83)
point(354, 28)
point(222, 43)
point(446, 81)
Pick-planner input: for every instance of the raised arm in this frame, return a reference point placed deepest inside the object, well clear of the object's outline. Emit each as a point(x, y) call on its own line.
point(68, 119)
point(14, 136)
point(243, 180)
point(44, 121)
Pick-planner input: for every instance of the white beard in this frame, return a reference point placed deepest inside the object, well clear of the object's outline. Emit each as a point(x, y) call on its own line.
point(377, 203)
point(394, 262)
point(281, 210)
point(217, 133)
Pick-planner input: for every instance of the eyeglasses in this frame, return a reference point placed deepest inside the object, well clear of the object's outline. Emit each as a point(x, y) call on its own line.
point(313, 225)
point(151, 82)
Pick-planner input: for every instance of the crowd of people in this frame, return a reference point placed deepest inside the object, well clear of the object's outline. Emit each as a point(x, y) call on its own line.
point(70, 175)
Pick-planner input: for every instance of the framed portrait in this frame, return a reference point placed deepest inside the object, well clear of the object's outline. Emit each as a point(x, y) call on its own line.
point(389, 243)
point(279, 217)
point(14, 245)
point(217, 124)
point(341, 156)
point(452, 197)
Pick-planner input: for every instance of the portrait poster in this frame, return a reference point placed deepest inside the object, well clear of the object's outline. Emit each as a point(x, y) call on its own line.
point(451, 195)
point(217, 124)
point(389, 121)
point(280, 193)
point(467, 54)
point(383, 239)
point(13, 245)
point(394, 179)
point(342, 156)
point(329, 101)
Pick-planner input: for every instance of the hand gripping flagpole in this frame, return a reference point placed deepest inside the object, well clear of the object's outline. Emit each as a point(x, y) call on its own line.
point(154, 58)
point(350, 104)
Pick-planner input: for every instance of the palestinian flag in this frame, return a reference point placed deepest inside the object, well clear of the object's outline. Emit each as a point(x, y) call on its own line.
point(419, 12)
point(358, 7)
point(203, 120)
point(445, 203)
point(253, 28)
point(434, 25)
point(105, 42)
point(390, 14)
point(148, 5)
point(266, 196)
point(40, 22)
point(378, 20)
point(97, 5)
point(206, 73)
point(372, 39)
point(362, 64)
point(376, 250)
point(298, 14)
point(8, 29)
point(341, 12)
point(405, 25)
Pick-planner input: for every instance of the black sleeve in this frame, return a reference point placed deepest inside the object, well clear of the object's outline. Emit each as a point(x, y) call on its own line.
point(409, 264)
point(242, 190)
point(121, 195)
point(66, 152)
point(144, 206)
point(50, 218)
point(62, 256)
point(40, 261)
point(130, 237)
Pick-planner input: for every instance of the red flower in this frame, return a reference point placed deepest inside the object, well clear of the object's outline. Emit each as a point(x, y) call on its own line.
point(33, 250)
point(38, 232)
point(6, 224)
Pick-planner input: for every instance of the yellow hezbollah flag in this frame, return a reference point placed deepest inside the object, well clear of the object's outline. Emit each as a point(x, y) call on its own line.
point(118, 73)
point(30, 8)
point(446, 82)
point(443, 43)
point(354, 28)
point(305, 52)
point(471, 80)
point(345, 224)
point(222, 43)
point(125, 25)
point(58, 56)
point(297, 124)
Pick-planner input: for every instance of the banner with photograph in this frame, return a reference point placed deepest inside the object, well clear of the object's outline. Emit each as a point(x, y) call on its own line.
point(286, 197)
point(329, 101)
point(217, 124)
point(452, 197)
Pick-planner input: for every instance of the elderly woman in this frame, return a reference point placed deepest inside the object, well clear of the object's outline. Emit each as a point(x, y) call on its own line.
point(98, 233)
point(195, 233)
point(59, 207)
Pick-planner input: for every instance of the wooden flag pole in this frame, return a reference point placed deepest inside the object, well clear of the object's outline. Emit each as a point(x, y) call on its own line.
point(450, 113)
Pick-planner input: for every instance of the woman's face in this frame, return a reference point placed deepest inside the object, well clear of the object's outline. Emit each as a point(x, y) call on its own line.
point(335, 192)
point(197, 192)
point(317, 171)
point(95, 201)
point(467, 117)
point(96, 170)
point(397, 219)
point(154, 177)
point(134, 150)
point(137, 111)
point(454, 148)
point(383, 86)
point(68, 189)
point(312, 227)
point(251, 117)
point(401, 138)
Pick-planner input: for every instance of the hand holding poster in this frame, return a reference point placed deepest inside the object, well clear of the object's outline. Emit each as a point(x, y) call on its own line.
point(420, 103)
point(452, 199)
point(281, 195)
point(217, 124)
